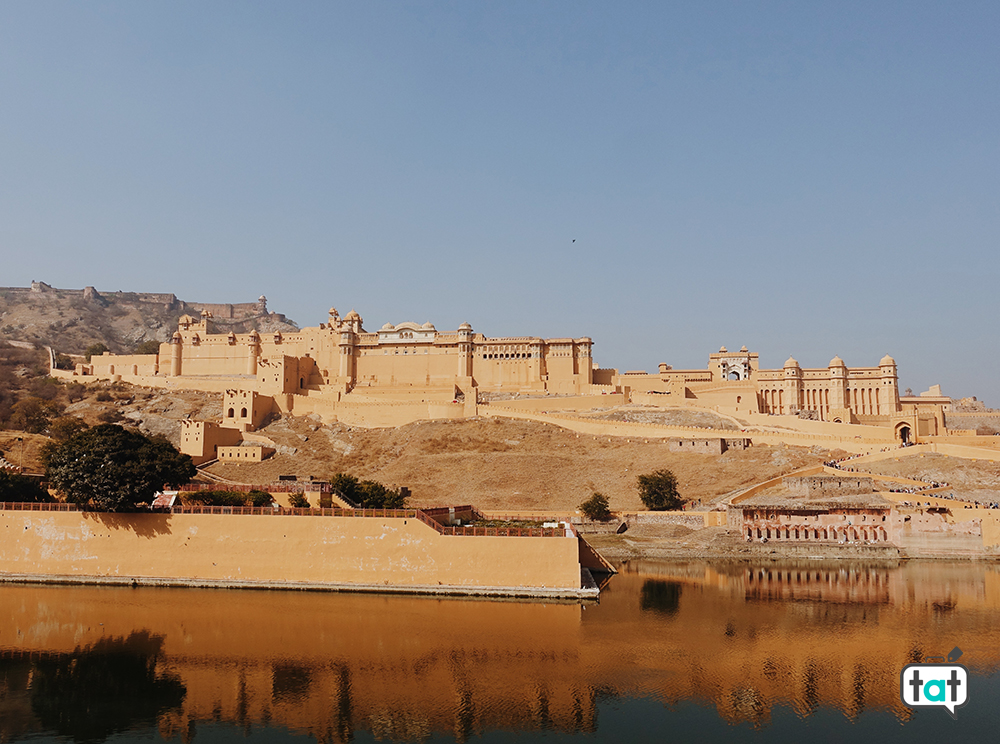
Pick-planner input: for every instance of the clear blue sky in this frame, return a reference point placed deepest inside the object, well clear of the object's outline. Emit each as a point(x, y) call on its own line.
point(804, 178)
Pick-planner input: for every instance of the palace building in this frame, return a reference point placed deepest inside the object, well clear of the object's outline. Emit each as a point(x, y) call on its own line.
point(406, 372)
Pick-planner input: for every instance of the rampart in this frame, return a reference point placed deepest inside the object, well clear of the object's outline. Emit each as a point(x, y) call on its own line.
point(828, 486)
point(398, 551)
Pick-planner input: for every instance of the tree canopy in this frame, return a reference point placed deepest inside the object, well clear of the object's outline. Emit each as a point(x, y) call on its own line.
point(15, 487)
point(367, 494)
point(95, 350)
point(658, 490)
point(114, 469)
point(596, 507)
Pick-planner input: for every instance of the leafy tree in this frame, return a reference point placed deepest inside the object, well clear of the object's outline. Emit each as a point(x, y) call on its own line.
point(75, 391)
point(115, 469)
point(259, 498)
point(63, 361)
point(596, 508)
point(298, 501)
point(32, 414)
point(148, 347)
point(658, 490)
point(65, 427)
point(14, 487)
point(367, 494)
point(95, 350)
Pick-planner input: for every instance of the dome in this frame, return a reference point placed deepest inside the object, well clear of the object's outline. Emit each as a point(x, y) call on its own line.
point(887, 361)
point(333, 312)
point(353, 315)
point(837, 362)
point(428, 326)
point(791, 362)
point(723, 350)
point(387, 327)
point(744, 349)
point(465, 327)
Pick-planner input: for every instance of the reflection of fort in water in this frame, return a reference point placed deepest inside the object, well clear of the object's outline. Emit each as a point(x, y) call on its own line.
point(742, 638)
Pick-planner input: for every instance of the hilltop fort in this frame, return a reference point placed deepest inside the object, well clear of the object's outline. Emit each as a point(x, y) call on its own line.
point(341, 372)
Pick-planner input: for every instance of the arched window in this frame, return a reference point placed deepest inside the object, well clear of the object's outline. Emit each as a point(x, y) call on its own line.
point(243, 413)
point(230, 413)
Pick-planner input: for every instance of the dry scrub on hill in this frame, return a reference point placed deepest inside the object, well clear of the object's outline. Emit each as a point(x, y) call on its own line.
point(501, 464)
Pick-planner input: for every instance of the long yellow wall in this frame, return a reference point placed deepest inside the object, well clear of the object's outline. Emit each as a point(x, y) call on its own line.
point(347, 552)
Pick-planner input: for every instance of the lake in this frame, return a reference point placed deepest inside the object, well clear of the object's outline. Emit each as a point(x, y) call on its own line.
point(682, 651)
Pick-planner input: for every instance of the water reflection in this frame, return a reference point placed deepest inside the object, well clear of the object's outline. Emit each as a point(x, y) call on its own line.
point(92, 692)
point(737, 638)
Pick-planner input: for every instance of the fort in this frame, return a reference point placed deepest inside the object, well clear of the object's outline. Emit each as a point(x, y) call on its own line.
point(341, 372)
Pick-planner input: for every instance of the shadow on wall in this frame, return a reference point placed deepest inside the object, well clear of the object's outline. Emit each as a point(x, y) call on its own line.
point(143, 525)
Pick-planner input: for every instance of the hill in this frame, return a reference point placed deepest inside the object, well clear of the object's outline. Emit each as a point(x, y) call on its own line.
point(70, 320)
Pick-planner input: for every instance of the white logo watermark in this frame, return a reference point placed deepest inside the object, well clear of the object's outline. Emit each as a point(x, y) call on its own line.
point(936, 682)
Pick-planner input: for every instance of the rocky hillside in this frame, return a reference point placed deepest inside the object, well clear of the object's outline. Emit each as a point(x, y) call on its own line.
point(70, 320)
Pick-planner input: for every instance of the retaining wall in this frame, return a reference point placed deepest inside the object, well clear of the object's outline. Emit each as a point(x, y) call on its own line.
point(290, 551)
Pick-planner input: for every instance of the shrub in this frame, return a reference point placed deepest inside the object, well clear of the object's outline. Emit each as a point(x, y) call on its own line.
point(14, 487)
point(103, 396)
point(658, 490)
point(367, 494)
point(148, 347)
point(256, 498)
point(75, 391)
point(95, 350)
point(32, 414)
point(110, 417)
point(298, 501)
point(65, 427)
point(596, 508)
point(259, 498)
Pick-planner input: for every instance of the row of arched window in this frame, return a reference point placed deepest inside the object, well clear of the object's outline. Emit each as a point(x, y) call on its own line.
point(850, 534)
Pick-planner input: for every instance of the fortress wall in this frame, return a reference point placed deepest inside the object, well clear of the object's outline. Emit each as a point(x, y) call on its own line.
point(125, 364)
point(424, 365)
point(387, 415)
point(668, 399)
point(829, 428)
point(598, 427)
point(346, 552)
point(575, 403)
point(404, 394)
point(986, 451)
point(213, 356)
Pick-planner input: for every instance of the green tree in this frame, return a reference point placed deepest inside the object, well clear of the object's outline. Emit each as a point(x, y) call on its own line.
point(95, 350)
point(32, 414)
point(65, 427)
point(298, 501)
point(148, 347)
point(367, 494)
point(115, 469)
point(596, 508)
point(259, 498)
point(658, 490)
point(14, 487)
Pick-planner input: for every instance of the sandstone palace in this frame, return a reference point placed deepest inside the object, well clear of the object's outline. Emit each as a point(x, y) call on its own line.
point(400, 373)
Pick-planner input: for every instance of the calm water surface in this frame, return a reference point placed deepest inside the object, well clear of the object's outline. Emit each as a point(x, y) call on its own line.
point(678, 651)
